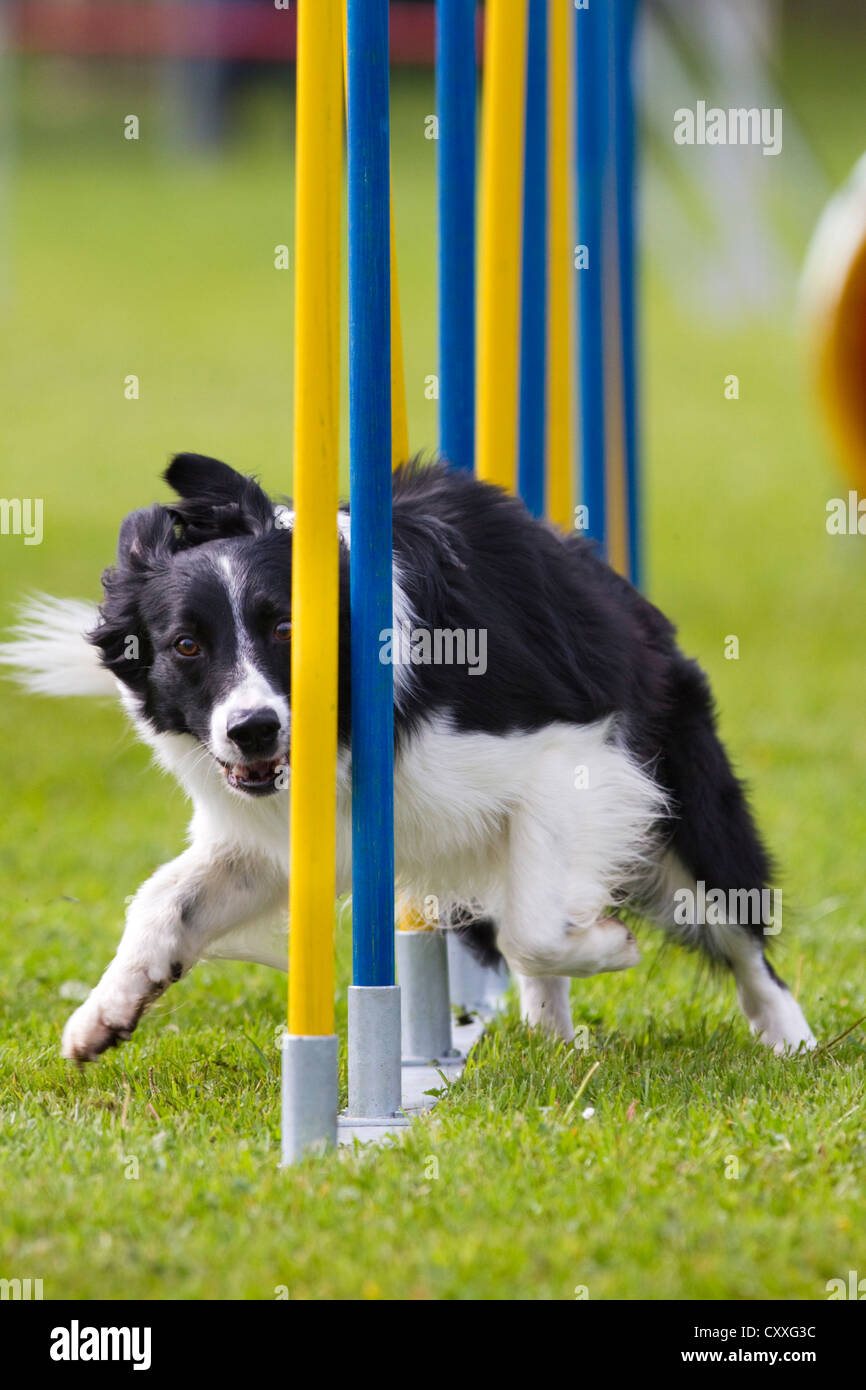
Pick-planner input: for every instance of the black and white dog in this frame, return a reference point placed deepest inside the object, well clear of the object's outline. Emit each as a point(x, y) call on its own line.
point(556, 754)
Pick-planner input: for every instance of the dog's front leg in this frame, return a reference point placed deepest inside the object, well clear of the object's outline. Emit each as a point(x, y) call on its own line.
point(171, 920)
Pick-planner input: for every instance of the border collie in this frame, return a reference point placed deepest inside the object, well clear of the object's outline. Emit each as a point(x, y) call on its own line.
point(572, 773)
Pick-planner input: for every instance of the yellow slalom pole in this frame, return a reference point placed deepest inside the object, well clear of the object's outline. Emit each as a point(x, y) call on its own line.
point(560, 279)
point(315, 575)
point(502, 139)
point(399, 413)
point(410, 918)
point(614, 405)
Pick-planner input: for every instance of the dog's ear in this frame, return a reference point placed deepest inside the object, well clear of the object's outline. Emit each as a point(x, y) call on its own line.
point(207, 479)
point(217, 500)
point(148, 539)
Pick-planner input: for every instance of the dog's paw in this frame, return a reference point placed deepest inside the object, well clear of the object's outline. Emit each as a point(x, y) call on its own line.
point(544, 1004)
point(102, 1021)
point(89, 1032)
point(579, 950)
point(87, 1035)
point(624, 951)
point(784, 1030)
point(605, 946)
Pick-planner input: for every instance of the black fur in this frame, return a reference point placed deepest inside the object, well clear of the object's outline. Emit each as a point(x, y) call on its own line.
point(568, 639)
point(159, 589)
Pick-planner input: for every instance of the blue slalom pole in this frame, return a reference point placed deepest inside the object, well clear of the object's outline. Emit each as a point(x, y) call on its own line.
point(591, 143)
point(624, 27)
point(533, 315)
point(456, 99)
point(370, 493)
point(470, 984)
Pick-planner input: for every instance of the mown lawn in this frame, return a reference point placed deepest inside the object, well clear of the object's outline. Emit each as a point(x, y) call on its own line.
point(691, 1164)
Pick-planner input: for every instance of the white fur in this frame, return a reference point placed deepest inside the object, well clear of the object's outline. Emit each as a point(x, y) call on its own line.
point(172, 919)
point(48, 652)
point(775, 1017)
point(250, 690)
point(544, 1004)
point(504, 822)
point(500, 819)
point(476, 817)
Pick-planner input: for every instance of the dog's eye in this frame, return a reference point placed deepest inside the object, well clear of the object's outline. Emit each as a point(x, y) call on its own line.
point(187, 646)
point(283, 631)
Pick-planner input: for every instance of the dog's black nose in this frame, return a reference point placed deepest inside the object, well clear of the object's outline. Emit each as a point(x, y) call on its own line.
point(254, 731)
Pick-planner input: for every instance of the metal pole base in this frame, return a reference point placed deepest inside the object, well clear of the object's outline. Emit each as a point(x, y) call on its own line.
point(374, 1055)
point(422, 969)
point(474, 986)
point(309, 1095)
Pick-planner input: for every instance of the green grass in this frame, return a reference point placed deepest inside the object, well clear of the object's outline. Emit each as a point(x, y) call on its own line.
point(154, 1173)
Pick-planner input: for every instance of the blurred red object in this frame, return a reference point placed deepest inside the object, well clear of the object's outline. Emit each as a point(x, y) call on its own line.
point(200, 29)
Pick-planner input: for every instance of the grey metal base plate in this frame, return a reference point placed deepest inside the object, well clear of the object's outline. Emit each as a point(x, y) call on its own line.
point(416, 1082)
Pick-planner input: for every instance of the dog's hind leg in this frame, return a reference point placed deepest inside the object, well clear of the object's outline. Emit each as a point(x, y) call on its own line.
point(718, 863)
point(571, 843)
point(775, 1017)
point(730, 932)
point(544, 1004)
point(553, 924)
point(172, 920)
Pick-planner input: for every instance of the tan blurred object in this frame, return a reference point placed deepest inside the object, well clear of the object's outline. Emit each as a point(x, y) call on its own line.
point(834, 303)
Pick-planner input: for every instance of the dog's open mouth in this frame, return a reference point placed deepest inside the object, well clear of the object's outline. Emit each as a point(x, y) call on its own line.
point(257, 779)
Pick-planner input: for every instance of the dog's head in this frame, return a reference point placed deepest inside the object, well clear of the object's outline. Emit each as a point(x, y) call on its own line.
point(196, 620)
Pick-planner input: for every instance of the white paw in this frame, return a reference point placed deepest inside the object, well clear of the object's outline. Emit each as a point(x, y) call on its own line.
point(606, 945)
point(786, 1044)
point(579, 951)
point(108, 1017)
point(781, 1025)
point(544, 1004)
point(89, 1032)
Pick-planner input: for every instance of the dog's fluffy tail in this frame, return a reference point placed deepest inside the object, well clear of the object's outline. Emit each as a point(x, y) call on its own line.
point(48, 651)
